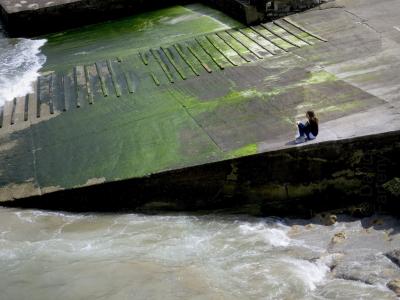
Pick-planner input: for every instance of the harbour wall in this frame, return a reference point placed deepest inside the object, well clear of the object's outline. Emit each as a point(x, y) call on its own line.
point(38, 17)
point(357, 176)
point(67, 14)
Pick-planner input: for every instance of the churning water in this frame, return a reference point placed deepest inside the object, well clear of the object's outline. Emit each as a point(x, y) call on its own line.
point(20, 61)
point(49, 255)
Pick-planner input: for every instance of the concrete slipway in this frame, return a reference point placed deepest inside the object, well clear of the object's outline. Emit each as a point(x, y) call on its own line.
point(204, 99)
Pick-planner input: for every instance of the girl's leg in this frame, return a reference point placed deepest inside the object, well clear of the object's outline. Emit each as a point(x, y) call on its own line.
point(301, 128)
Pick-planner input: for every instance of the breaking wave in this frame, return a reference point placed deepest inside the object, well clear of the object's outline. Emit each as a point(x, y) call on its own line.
point(311, 273)
point(275, 236)
point(20, 61)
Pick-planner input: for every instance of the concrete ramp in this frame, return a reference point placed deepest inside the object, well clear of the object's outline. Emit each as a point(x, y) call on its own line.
point(209, 100)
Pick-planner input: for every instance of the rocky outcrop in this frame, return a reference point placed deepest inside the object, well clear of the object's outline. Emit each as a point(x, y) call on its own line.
point(394, 285)
point(338, 237)
point(393, 187)
point(394, 256)
point(326, 219)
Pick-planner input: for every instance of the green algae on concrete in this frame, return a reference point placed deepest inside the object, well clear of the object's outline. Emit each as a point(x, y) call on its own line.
point(244, 151)
point(125, 36)
point(161, 136)
point(212, 117)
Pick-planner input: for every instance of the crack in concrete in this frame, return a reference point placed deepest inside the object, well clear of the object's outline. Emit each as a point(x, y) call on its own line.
point(34, 165)
point(363, 21)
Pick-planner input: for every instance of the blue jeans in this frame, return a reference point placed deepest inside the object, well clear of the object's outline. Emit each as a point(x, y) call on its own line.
point(304, 130)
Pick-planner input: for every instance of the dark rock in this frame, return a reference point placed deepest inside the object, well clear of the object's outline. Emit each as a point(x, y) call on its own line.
point(393, 187)
point(394, 256)
point(394, 285)
point(370, 269)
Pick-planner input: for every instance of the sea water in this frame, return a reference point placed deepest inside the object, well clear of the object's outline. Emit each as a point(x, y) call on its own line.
point(20, 62)
point(57, 255)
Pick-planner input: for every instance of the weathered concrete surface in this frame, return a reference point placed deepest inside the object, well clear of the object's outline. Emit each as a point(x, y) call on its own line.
point(242, 107)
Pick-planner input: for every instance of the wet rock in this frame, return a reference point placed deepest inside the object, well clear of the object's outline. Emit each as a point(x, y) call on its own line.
point(331, 260)
point(361, 210)
point(368, 269)
point(326, 219)
point(393, 187)
point(377, 222)
point(394, 285)
point(295, 229)
point(394, 256)
point(338, 237)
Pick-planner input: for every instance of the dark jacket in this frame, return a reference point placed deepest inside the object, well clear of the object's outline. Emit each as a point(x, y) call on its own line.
point(313, 126)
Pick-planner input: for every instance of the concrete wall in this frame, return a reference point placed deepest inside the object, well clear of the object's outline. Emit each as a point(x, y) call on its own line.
point(56, 17)
point(356, 176)
point(63, 16)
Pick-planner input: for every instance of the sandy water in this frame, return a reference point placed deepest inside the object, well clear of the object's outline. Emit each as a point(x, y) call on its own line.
point(52, 255)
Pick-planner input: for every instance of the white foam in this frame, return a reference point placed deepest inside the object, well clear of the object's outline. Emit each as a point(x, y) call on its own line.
point(20, 61)
point(311, 273)
point(276, 237)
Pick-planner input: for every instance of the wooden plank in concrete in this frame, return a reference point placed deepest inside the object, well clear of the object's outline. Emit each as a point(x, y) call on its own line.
point(213, 53)
point(93, 79)
point(154, 70)
point(90, 96)
point(32, 105)
point(294, 24)
point(258, 51)
point(105, 78)
point(114, 80)
point(175, 61)
point(130, 74)
point(69, 91)
point(301, 35)
point(278, 42)
point(167, 63)
point(230, 54)
point(19, 110)
point(202, 57)
point(44, 95)
point(242, 51)
point(81, 91)
point(126, 84)
point(282, 34)
point(190, 63)
point(26, 108)
point(1, 116)
point(13, 109)
point(165, 68)
point(51, 93)
point(8, 108)
point(57, 92)
point(259, 40)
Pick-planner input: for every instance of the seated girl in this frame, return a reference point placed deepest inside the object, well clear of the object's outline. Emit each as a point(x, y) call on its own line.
point(308, 130)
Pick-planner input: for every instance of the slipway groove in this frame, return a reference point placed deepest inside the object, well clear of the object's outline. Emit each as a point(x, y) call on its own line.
point(84, 85)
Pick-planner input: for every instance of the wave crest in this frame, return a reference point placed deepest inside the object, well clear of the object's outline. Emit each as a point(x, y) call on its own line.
point(20, 62)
